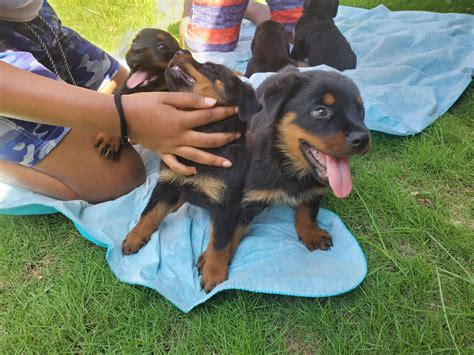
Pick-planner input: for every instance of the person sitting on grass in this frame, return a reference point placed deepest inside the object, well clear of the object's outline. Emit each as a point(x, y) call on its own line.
point(55, 97)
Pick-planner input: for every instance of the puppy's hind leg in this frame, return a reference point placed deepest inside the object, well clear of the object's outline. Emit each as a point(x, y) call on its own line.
point(164, 199)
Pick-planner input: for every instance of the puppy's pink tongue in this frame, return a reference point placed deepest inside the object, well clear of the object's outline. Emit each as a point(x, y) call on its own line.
point(339, 176)
point(136, 79)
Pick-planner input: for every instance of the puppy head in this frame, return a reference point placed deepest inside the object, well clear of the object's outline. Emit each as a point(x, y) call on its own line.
point(211, 80)
point(148, 57)
point(269, 30)
point(321, 8)
point(318, 120)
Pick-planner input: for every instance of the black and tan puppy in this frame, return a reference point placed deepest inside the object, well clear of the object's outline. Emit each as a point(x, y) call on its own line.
point(147, 58)
point(270, 49)
point(215, 189)
point(318, 39)
point(297, 145)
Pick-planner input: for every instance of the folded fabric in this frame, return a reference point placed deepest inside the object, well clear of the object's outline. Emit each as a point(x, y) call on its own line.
point(411, 65)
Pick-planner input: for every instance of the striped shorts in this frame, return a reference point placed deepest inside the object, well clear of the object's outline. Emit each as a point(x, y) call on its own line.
point(215, 24)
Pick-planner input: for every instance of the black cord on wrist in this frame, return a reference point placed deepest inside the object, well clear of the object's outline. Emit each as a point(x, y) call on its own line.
point(123, 122)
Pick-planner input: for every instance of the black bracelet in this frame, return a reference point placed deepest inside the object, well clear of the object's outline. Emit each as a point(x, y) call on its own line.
point(123, 122)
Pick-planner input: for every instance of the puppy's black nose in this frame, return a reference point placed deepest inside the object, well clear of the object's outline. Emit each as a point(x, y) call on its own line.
point(178, 53)
point(358, 140)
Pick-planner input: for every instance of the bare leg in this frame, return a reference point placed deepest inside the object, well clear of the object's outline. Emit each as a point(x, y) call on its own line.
point(73, 170)
point(257, 12)
point(34, 180)
point(185, 18)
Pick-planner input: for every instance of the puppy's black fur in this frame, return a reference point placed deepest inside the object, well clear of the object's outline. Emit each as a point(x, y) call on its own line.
point(217, 190)
point(270, 49)
point(147, 58)
point(303, 117)
point(318, 39)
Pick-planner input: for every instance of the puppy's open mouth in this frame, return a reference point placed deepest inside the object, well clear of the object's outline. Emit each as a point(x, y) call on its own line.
point(329, 169)
point(181, 75)
point(141, 78)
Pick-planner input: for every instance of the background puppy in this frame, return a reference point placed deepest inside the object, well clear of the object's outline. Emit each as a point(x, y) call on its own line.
point(147, 58)
point(270, 49)
point(318, 38)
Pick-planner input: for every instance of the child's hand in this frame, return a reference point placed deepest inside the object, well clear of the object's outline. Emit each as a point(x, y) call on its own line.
point(164, 122)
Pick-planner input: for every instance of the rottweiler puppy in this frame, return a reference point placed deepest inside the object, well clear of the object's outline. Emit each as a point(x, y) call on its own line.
point(215, 189)
point(147, 58)
point(270, 49)
point(318, 39)
point(297, 145)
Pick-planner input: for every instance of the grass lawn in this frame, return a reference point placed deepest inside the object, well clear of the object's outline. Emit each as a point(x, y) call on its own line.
point(411, 210)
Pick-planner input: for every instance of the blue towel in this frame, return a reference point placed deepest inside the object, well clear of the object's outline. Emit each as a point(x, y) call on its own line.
point(270, 258)
point(412, 67)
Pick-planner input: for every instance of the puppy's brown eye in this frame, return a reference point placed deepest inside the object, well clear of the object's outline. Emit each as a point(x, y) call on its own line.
point(161, 46)
point(320, 112)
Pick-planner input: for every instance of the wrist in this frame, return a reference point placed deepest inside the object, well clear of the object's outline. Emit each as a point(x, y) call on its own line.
point(131, 111)
point(122, 119)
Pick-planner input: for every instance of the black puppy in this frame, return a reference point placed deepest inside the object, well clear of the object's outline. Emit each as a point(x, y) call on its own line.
point(215, 189)
point(318, 39)
point(147, 58)
point(297, 145)
point(270, 49)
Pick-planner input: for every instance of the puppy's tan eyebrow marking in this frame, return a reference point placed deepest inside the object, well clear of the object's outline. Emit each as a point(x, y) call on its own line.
point(329, 99)
point(359, 100)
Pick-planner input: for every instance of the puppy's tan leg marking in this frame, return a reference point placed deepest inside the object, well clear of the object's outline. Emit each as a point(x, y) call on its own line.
point(213, 264)
point(309, 232)
point(147, 225)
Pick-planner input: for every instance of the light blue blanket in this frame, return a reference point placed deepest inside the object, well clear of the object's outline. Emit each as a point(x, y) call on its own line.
point(412, 68)
point(270, 259)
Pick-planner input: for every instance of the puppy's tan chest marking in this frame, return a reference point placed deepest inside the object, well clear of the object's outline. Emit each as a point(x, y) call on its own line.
point(281, 197)
point(210, 186)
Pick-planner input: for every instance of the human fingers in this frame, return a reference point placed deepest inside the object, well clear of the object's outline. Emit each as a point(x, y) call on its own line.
point(210, 140)
point(202, 157)
point(186, 100)
point(173, 163)
point(198, 118)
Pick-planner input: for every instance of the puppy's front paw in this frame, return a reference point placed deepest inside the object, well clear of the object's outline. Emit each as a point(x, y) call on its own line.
point(212, 272)
point(133, 243)
point(107, 146)
point(317, 239)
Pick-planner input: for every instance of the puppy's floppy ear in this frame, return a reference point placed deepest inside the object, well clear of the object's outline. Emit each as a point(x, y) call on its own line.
point(248, 103)
point(276, 95)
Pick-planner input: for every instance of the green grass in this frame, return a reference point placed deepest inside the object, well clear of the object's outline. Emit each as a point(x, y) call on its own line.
point(411, 210)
